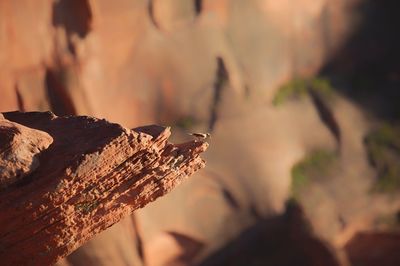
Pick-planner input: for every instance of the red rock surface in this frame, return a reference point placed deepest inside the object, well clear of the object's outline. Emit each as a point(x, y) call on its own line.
point(189, 63)
point(160, 56)
point(20, 147)
point(93, 174)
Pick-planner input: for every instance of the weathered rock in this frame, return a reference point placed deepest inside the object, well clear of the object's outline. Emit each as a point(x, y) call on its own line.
point(118, 245)
point(92, 175)
point(19, 149)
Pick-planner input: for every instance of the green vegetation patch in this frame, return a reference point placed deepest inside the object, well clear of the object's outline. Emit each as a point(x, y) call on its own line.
point(315, 165)
point(299, 88)
point(383, 148)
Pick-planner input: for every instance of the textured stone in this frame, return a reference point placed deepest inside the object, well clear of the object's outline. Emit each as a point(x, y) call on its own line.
point(93, 175)
point(20, 147)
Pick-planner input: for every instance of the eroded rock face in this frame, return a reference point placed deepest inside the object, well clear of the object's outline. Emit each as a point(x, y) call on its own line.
point(93, 175)
point(20, 147)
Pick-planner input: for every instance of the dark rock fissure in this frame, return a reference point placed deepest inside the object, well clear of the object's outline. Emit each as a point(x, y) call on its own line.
point(221, 79)
point(198, 6)
point(60, 102)
point(20, 101)
point(326, 115)
point(75, 16)
point(150, 10)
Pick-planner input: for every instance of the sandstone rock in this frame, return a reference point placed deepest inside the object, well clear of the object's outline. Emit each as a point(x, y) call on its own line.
point(19, 150)
point(116, 245)
point(92, 175)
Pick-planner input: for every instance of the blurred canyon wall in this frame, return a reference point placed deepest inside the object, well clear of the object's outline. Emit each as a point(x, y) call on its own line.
point(137, 62)
point(201, 65)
